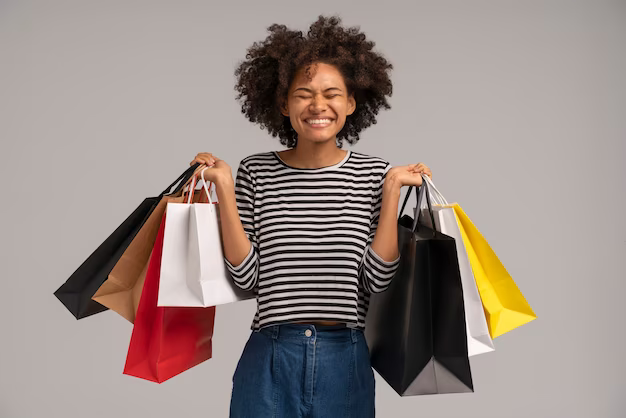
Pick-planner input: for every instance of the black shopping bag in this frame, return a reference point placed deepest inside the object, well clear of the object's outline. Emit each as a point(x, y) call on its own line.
point(77, 291)
point(415, 329)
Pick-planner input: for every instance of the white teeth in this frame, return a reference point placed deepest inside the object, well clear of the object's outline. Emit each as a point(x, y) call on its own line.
point(318, 121)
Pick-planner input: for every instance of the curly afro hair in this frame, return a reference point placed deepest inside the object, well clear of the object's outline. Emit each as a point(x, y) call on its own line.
point(263, 79)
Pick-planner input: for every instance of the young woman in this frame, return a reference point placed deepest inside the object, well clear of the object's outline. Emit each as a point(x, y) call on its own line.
point(312, 230)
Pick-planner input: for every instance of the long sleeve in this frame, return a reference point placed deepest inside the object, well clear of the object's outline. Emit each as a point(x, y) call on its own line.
point(246, 274)
point(375, 273)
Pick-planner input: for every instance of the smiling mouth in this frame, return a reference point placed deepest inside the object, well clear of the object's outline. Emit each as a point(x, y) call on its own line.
point(319, 123)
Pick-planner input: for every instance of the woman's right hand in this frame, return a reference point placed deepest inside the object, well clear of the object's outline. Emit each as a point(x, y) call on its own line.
point(217, 169)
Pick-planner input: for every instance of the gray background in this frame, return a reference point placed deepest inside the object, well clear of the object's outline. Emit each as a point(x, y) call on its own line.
point(518, 108)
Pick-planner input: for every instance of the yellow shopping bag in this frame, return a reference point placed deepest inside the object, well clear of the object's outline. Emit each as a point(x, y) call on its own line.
point(505, 306)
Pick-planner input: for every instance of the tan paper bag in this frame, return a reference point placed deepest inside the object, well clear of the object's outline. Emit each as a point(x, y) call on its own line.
point(122, 289)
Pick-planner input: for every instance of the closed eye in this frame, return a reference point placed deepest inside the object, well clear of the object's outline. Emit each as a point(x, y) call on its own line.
point(308, 97)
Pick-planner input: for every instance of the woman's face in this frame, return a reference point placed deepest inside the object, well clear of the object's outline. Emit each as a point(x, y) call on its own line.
point(325, 96)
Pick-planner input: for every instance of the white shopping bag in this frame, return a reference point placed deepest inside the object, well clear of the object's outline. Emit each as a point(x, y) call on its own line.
point(193, 272)
point(478, 339)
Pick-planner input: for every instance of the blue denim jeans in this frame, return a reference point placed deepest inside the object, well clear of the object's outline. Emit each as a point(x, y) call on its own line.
point(304, 370)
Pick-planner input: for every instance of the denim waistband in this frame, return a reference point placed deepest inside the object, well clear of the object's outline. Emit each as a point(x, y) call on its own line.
point(312, 331)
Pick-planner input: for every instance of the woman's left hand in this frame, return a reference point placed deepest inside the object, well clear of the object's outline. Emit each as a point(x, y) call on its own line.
point(409, 175)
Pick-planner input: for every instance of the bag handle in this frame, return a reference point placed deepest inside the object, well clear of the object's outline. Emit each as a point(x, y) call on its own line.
point(187, 174)
point(191, 190)
point(438, 194)
point(421, 191)
point(206, 189)
point(192, 186)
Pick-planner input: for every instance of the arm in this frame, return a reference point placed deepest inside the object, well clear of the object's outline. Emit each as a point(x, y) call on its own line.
point(236, 209)
point(382, 258)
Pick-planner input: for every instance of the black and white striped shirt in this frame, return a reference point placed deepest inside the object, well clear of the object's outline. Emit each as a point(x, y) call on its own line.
point(311, 230)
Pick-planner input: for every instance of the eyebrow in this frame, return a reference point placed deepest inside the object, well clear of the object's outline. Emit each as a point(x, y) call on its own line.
point(309, 90)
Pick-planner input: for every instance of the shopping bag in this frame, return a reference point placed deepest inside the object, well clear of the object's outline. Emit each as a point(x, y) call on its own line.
point(478, 338)
point(77, 291)
point(503, 302)
point(415, 329)
point(166, 341)
point(193, 272)
point(122, 289)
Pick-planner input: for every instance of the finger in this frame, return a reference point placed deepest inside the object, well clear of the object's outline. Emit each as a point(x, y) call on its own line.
point(198, 159)
point(206, 160)
point(206, 156)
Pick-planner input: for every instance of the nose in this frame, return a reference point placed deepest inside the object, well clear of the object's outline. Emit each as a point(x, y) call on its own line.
point(318, 104)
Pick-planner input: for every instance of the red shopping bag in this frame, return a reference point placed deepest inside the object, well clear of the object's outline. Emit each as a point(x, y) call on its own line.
point(166, 341)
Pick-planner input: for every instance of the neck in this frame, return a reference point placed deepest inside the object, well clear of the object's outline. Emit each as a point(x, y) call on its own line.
point(309, 154)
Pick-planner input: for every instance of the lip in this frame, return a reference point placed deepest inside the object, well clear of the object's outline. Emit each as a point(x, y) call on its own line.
point(319, 126)
point(318, 117)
